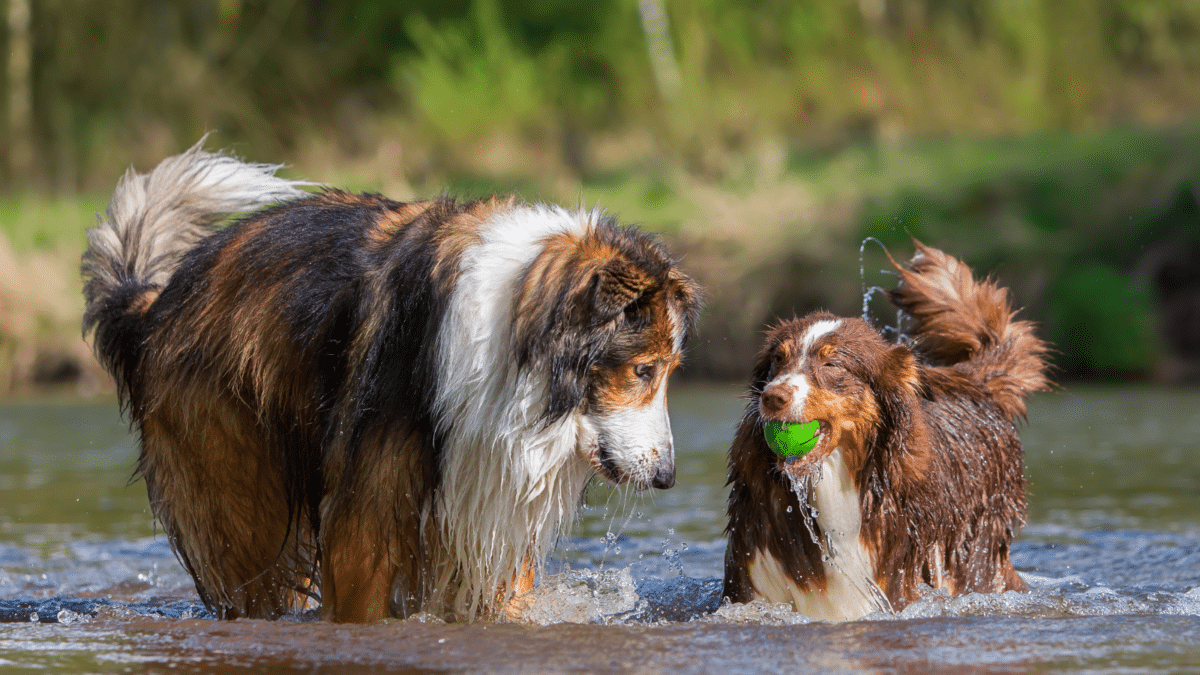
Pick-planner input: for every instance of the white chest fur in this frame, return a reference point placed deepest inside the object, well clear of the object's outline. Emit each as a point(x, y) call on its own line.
point(850, 590)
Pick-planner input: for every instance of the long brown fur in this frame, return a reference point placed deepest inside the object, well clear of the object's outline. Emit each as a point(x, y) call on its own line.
point(959, 321)
point(287, 374)
point(926, 427)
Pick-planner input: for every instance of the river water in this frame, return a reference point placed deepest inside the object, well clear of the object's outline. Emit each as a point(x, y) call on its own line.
point(1111, 554)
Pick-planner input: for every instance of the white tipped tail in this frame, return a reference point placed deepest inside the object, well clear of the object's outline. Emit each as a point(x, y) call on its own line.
point(153, 218)
point(151, 221)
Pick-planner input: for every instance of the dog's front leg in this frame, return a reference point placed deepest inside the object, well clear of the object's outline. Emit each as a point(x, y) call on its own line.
point(356, 576)
point(514, 603)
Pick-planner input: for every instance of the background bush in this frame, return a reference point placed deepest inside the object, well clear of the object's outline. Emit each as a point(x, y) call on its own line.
point(1050, 142)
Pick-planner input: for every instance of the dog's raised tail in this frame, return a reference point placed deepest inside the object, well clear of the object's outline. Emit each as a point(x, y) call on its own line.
point(152, 219)
point(955, 320)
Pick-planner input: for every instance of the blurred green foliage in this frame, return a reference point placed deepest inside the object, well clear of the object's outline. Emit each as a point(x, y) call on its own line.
point(820, 73)
point(1051, 142)
point(1106, 322)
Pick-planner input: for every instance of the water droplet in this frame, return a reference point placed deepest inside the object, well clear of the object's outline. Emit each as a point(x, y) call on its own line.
point(67, 617)
point(789, 509)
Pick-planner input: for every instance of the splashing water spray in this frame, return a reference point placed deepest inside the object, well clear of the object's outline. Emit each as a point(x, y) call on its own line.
point(869, 293)
point(803, 487)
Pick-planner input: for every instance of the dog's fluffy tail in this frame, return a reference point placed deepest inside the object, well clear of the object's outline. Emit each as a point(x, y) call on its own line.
point(955, 320)
point(151, 221)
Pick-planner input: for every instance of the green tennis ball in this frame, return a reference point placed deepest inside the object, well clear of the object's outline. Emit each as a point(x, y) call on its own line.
point(791, 440)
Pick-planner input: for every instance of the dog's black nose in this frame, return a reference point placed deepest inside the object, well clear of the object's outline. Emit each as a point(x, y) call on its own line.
point(664, 478)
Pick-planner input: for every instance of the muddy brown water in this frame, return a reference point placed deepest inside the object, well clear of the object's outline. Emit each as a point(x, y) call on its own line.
point(1111, 554)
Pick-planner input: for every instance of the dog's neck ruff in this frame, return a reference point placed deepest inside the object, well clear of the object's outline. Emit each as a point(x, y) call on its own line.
point(511, 481)
point(850, 590)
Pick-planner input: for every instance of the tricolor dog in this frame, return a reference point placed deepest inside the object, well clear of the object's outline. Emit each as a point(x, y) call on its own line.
point(387, 407)
point(911, 475)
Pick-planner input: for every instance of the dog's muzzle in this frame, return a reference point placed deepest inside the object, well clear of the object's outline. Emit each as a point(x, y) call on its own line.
point(664, 477)
point(657, 473)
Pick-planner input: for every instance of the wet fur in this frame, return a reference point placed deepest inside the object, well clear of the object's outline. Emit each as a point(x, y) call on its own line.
point(385, 407)
point(925, 429)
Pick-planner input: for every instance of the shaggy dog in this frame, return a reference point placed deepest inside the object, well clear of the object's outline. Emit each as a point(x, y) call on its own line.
point(916, 475)
point(387, 407)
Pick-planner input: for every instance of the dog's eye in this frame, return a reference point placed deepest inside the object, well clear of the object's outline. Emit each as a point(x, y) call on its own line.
point(778, 358)
point(644, 371)
point(833, 366)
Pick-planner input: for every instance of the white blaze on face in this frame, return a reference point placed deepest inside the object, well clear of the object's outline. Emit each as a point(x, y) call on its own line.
point(816, 331)
point(638, 439)
point(796, 381)
point(677, 326)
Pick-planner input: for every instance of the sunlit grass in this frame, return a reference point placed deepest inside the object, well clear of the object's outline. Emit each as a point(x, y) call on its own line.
point(48, 222)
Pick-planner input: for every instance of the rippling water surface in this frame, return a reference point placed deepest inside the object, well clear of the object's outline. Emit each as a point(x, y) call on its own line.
point(1111, 554)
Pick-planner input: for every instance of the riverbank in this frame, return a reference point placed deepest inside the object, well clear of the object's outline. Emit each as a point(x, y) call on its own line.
point(1097, 235)
point(41, 301)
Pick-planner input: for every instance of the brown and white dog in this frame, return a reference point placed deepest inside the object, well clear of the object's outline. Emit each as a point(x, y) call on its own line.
point(916, 478)
point(392, 407)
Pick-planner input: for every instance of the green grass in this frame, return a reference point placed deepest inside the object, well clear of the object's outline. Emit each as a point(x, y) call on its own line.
point(951, 166)
point(34, 222)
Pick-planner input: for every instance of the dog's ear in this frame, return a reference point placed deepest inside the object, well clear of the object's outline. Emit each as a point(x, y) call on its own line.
point(898, 389)
point(899, 372)
point(615, 287)
point(896, 385)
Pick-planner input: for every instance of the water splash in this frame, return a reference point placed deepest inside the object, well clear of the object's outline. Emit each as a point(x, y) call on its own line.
point(604, 596)
point(672, 556)
point(869, 292)
point(1056, 598)
point(802, 486)
point(854, 570)
point(758, 613)
point(862, 275)
point(616, 597)
point(614, 535)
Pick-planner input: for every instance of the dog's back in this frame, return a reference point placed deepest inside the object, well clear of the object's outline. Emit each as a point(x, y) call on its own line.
point(980, 367)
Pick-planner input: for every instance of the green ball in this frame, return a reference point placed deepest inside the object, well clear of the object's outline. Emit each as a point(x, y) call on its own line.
point(791, 440)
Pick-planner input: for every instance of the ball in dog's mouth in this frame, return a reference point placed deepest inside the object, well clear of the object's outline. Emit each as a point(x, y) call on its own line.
point(791, 440)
